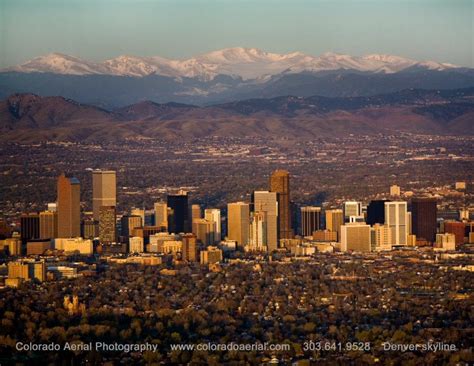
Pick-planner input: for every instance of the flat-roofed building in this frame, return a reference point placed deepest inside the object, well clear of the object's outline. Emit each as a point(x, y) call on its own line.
point(424, 218)
point(397, 219)
point(190, 249)
point(334, 220)
point(69, 207)
point(280, 184)
point(136, 244)
point(130, 222)
point(355, 237)
point(214, 215)
point(104, 190)
point(324, 235)
point(266, 202)
point(352, 208)
point(29, 226)
point(238, 221)
point(310, 220)
point(27, 270)
point(446, 241)
point(211, 255)
point(48, 222)
point(72, 245)
point(457, 228)
point(161, 214)
point(381, 237)
point(38, 247)
point(107, 224)
point(204, 231)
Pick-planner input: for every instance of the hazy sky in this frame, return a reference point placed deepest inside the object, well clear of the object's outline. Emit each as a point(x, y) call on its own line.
point(100, 29)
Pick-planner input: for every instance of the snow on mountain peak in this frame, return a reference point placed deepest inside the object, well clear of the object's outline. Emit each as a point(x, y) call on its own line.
point(247, 63)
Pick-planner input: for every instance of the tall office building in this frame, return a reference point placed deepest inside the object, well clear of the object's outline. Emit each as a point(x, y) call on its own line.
point(29, 226)
point(204, 231)
point(376, 212)
point(190, 249)
point(258, 236)
point(381, 238)
point(356, 237)
point(334, 220)
point(48, 221)
point(397, 219)
point(178, 219)
point(104, 190)
point(69, 207)
point(423, 216)
point(129, 223)
point(161, 214)
point(139, 212)
point(238, 221)
point(456, 228)
point(310, 220)
point(280, 183)
point(89, 229)
point(352, 208)
point(107, 224)
point(214, 215)
point(264, 201)
point(196, 212)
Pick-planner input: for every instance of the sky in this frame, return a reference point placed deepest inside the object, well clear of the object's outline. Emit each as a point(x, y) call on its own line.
point(439, 30)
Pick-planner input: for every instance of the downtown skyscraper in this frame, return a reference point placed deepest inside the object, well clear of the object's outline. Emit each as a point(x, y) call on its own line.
point(69, 207)
point(265, 203)
point(396, 217)
point(280, 183)
point(179, 213)
point(238, 221)
point(104, 190)
point(423, 217)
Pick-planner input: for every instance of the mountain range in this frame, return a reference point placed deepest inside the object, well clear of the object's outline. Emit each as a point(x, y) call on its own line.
point(32, 118)
point(224, 76)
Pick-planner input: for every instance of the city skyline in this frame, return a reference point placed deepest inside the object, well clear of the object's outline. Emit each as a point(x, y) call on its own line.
point(267, 222)
point(236, 182)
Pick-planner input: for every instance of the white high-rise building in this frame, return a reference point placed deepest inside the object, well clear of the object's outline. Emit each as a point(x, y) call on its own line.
point(258, 232)
point(214, 215)
point(352, 208)
point(396, 217)
point(265, 201)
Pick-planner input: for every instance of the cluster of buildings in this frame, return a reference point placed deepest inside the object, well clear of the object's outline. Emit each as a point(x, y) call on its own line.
point(182, 231)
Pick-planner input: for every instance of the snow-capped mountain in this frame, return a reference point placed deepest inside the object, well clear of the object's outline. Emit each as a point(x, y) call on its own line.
point(238, 62)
